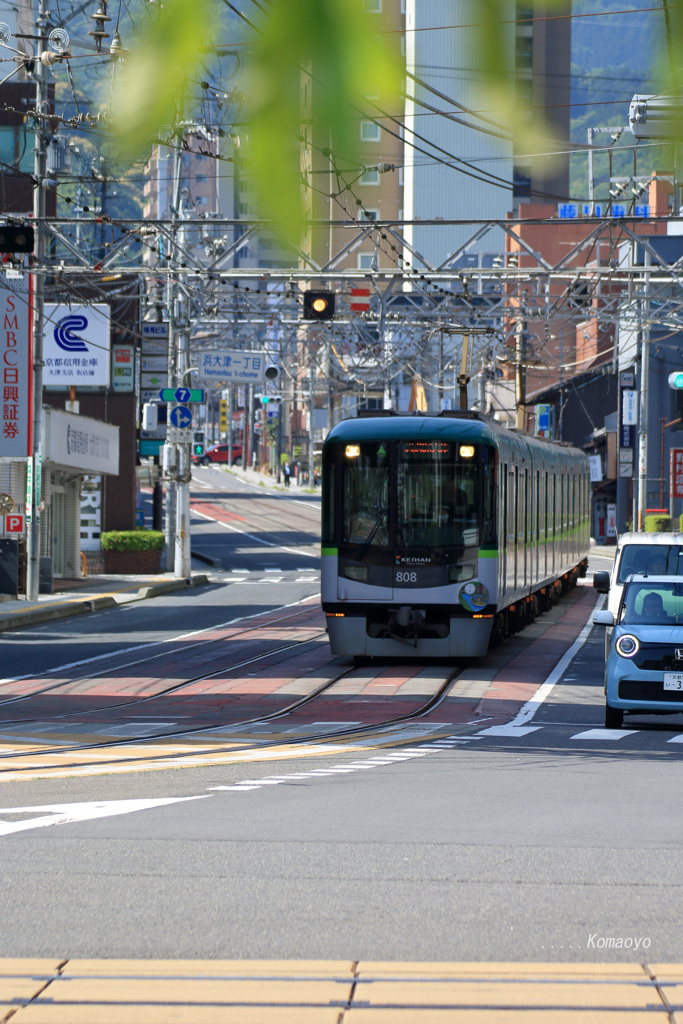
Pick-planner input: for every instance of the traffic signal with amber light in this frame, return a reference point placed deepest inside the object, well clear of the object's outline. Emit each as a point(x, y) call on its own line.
point(318, 305)
point(16, 239)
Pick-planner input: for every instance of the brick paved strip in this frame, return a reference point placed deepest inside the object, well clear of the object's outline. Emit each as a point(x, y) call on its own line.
point(517, 682)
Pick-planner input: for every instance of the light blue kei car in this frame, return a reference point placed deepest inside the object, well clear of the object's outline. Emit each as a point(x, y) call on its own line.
point(644, 669)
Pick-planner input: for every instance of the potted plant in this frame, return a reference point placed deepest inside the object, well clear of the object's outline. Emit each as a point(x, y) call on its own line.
point(129, 552)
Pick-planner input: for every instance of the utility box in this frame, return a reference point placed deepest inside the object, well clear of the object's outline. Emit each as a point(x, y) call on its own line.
point(45, 576)
point(9, 567)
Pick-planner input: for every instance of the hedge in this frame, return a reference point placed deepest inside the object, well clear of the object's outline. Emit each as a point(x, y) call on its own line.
point(132, 540)
point(656, 524)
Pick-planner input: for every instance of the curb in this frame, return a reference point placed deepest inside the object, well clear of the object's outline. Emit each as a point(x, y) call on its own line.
point(215, 563)
point(51, 613)
point(158, 589)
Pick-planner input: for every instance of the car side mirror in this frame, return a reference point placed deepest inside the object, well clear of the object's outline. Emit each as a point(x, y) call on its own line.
point(601, 582)
point(603, 618)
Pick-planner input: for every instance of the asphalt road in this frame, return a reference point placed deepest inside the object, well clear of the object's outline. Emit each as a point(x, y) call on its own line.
point(254, 574)
point(526, 845)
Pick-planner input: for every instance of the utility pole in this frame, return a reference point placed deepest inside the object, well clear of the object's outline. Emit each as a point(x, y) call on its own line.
point(644, 404)
point(311, 417)
point(33, 489)
point(183, 557)
point(228, 400)
point(520, 397)
point(170, 460)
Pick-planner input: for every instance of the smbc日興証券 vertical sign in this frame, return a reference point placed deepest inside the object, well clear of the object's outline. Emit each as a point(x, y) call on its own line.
point(16, 372)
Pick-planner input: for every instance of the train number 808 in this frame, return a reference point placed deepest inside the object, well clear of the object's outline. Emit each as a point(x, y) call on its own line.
point(406, 577)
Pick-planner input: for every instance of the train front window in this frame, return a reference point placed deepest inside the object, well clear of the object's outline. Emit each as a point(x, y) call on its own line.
point(437, 488)
point(365, 494)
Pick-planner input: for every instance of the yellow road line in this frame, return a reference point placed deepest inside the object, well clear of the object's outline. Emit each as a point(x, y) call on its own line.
point(341, 992)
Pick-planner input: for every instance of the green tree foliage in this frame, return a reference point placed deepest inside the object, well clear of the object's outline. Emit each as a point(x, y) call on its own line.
point(334, 43)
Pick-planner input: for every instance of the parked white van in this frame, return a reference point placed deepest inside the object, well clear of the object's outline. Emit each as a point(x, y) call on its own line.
point(651, 554)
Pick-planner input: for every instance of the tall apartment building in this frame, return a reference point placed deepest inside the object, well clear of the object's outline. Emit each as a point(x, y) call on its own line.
point(450, 160)
point(362, 187)
point(543, 40)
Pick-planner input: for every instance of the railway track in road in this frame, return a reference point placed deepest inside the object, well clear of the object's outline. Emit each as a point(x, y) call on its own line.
point(324, 735)
point(53, 754)
point(229, 634)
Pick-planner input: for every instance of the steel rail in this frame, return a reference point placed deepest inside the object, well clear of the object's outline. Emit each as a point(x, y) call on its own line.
point(129, 664)
point(433, 702)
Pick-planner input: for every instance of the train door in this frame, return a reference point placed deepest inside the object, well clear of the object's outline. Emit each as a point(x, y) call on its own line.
point(518, 525)
point(545, 526)
point(512, 530)
point(528, 520)
point(575, 517)
point(563, 523)
point(502, 528)
point(553, 524)
point(537, 542)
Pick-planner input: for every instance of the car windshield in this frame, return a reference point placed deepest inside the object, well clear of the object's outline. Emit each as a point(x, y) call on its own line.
point(653, 603)
point(654, 559)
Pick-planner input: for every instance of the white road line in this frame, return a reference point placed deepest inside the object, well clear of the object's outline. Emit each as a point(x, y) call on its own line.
point(604, 734)
point(243, 533)
point(675, 739)
point(316, 773)
point(67, 814)
point(528, 710)
point(511, 730)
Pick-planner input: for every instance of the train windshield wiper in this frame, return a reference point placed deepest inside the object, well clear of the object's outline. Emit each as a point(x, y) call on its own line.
point(416, 532)
point(381, 518)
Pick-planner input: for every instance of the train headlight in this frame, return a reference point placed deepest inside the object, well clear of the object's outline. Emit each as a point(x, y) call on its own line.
point(352, 451)
point(460, 573)
point(466, 451)
point(356, 572)
point(627, 646)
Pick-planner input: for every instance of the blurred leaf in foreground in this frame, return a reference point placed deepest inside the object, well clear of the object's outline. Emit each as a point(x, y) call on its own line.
point(333, 43)
point(154, 80)
point(500, 77)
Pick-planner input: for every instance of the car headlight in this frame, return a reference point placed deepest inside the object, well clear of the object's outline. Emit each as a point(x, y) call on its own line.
point(627, 645)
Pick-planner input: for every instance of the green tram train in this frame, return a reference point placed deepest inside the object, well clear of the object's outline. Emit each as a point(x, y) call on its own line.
point(444, 534)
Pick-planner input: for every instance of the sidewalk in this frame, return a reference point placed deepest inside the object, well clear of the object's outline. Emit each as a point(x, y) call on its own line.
point(253, 476)
point(92, 594)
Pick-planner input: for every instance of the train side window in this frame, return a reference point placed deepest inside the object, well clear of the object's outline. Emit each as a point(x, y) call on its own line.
point(328, 496)
point(488, 466)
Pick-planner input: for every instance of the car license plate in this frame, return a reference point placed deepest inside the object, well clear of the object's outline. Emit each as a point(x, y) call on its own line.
point(673, 680)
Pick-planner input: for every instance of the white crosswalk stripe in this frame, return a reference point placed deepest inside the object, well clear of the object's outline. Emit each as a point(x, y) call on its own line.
point(604, 734)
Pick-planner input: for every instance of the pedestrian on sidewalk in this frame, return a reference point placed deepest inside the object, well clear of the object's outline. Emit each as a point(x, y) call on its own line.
point(288, 473)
